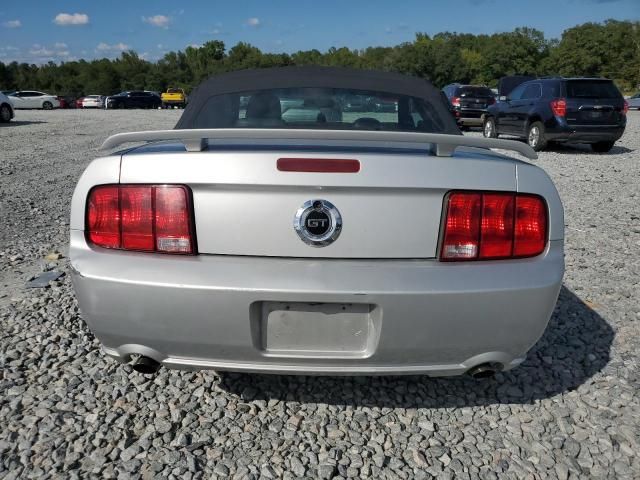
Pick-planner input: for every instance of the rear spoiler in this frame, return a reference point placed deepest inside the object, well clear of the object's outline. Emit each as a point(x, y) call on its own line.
point(197, 140)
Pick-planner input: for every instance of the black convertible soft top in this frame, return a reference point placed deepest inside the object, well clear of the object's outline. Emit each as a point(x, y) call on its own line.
point(317, 77)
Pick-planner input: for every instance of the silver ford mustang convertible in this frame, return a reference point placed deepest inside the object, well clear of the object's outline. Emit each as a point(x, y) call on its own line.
point(312, 220)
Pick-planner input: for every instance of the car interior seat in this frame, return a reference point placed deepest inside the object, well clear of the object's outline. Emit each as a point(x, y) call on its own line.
point(263, 110)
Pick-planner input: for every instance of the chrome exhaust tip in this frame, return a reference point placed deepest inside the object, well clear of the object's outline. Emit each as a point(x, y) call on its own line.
point(145, 365)
point(484, 370)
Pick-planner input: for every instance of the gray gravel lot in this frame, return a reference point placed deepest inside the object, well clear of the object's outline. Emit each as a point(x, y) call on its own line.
point(570, 411)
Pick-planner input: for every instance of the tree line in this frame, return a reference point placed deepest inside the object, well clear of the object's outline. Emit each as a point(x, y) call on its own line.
point(610, 49)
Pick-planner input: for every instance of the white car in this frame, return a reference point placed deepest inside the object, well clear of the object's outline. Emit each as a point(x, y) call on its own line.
point(93, 101)
point(6, 109)
point(24, 99)
point(634, 101)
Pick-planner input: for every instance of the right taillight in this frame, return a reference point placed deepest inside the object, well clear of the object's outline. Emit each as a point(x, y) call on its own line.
point(625, 108)
point(147, 218)
point(493, 225)
point(455, 101)
point(559, 107)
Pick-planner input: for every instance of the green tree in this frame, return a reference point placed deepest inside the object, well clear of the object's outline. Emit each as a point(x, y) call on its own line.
point(609, 49)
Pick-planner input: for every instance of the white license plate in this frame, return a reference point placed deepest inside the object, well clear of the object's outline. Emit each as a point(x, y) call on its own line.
point(323, 329)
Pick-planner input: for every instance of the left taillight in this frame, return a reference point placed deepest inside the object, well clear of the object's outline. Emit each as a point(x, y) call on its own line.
point(493, 225)
point(146, 218)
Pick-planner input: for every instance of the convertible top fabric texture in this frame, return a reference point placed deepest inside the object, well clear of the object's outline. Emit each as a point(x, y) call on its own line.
point(316, 77)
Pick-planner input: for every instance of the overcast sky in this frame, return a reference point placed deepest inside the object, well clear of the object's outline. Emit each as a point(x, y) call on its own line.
point(39, 31)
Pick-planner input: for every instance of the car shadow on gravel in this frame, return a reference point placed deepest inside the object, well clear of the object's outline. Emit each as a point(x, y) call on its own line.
point(573, 149)
point(19, 123)
point(575, 346)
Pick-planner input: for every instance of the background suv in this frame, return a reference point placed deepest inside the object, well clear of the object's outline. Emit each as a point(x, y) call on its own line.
point(562, 110)
point(469, 102)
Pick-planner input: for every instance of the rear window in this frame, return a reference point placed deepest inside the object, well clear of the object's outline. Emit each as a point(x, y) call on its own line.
point(592, 89)
point(474, 92)
point(320, 108)
point(174, 90)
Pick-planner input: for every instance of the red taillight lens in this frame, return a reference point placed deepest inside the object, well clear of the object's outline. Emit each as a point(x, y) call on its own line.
point(530, 235)
point(173, 230)
point(496, 232)
point(455, 101)
point(149, 218)
point(461, 234)
point(626, 107)
point(485, 226)
point(137, 217)
point(559, 107)
point(103, 216)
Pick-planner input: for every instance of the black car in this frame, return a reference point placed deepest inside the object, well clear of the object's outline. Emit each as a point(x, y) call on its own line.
point(134, 99)
point(560, 110)
point(469, 103)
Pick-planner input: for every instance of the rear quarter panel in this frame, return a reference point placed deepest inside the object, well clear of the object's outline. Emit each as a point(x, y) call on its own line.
point(533, 179)
point(101, 171)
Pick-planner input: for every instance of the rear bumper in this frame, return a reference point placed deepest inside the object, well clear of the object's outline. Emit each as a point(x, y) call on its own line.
point(470, 121)
point(467, 116)
point(565, 133)
point(206, 312)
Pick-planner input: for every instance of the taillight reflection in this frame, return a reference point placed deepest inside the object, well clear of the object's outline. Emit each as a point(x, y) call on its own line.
point(493, 225)
point(148, 218)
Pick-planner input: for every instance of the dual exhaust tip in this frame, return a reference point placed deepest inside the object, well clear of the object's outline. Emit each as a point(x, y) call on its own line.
point(484, 370)
point(145, 365)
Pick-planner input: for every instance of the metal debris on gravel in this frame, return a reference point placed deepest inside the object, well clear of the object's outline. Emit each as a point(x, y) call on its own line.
point(43, 279)
point(570, 411)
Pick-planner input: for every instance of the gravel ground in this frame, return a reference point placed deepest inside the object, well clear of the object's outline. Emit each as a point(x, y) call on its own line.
point(570, 411)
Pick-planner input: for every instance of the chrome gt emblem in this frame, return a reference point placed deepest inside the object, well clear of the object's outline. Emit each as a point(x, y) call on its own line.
point(318, 223)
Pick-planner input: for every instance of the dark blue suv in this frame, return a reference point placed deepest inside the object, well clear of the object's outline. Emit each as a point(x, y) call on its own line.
point(560, 110)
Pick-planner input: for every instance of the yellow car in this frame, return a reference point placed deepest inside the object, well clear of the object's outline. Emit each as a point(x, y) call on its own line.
point(174, 97)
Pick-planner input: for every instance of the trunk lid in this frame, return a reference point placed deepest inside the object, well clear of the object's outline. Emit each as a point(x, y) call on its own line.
point(390, 208)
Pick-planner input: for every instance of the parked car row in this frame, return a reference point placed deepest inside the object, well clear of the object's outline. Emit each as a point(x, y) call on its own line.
point(545, 110)
point(32, 99)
